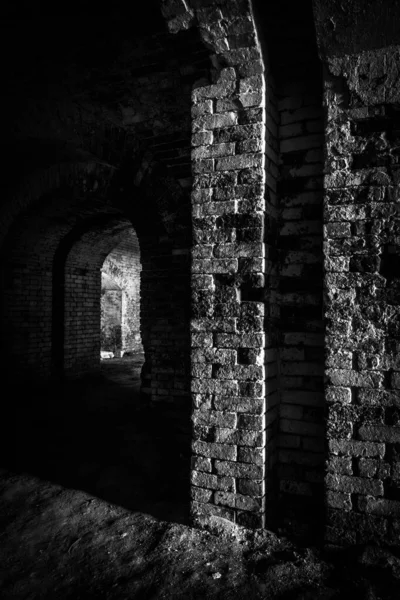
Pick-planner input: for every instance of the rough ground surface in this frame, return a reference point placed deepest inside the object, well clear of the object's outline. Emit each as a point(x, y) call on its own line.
point(110, 532)
point(63, 543)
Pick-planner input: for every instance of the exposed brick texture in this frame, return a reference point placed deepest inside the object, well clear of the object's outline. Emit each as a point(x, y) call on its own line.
point(228, 268)
point(362, 301)
point(239, 187)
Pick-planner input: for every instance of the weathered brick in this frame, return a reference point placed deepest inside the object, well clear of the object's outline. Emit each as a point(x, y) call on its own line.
point(212, 386)
point(201, 340)
point(252, 455)
point(240, 404)
point(372, 467)
point(347, 377)
point(200, 510)
point(204, 480)
point(379, 506)
point(239, 437)
point(201, 495)
point(218, 90)
point(217, 418)
point(356, 448)
point(249, 421)
point(338, 500)
point(255, 340)
point(380, 433)
point(337, 230)
point(202, 108)
point(211, 122)
point(342, 465)
point(237, 501)
point(200, 463)
point(242, 470)
point(354, 485)
point(242, 161)
point(338, 394)
point(212, 450)
point(213, 150)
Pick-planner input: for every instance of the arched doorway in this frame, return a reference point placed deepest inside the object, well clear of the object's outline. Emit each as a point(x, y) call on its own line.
point(120, 298)
point(110, 317)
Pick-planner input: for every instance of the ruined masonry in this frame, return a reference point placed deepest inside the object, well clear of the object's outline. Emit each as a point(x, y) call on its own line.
point(239, 162)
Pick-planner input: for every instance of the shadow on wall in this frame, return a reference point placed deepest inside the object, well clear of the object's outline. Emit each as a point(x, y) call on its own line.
point(296, 316)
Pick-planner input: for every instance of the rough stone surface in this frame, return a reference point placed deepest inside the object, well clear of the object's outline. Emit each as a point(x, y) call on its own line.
point(362, 302)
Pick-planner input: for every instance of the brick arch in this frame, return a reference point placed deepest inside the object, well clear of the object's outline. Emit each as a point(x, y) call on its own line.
point(71, 203)
point(76, 294)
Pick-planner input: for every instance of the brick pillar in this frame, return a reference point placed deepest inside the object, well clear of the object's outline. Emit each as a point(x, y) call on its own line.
point(228, 267)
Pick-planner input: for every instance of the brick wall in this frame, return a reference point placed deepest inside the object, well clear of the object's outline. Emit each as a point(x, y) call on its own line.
point(26, 312)
point(82, 298)
point(82, 319)
point(302, 432)
point(228, 268)
point(26, 301)
point(212, 150)
point(361, 259)
point(298, 262)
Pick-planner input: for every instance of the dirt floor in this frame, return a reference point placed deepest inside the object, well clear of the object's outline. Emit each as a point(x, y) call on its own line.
point(91, 507)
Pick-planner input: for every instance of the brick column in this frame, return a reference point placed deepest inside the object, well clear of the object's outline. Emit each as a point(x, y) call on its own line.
point(228, 266)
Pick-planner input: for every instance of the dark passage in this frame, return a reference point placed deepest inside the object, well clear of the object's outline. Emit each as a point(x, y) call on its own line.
point(98, 435)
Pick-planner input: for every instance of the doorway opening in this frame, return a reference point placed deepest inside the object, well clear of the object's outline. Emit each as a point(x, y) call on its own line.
point(121, 348)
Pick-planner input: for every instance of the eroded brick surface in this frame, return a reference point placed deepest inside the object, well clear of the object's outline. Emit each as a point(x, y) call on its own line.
point(362, 303)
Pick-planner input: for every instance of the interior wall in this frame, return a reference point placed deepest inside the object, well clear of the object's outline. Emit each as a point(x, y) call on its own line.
point(110, 315)
point(301, 441)
point(361, 243)
point(26, 257)
point(123, 265)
